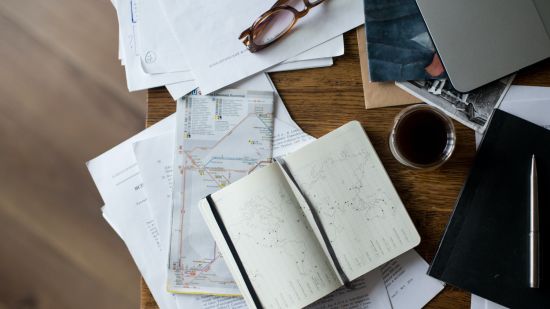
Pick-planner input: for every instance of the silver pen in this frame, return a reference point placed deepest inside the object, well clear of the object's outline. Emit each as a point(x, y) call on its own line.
point(534, 249)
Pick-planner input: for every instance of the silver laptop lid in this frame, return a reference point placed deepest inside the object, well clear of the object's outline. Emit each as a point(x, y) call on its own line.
point(480, 41)
point(543, 6)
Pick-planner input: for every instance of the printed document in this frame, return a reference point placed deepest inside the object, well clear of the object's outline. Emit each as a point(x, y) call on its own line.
point(221, 59)
point(155, 159)
point(119, 182)
point(225, 137)
point(120, 185)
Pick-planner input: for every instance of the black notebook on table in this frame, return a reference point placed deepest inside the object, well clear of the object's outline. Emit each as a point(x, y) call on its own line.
point(485, 248)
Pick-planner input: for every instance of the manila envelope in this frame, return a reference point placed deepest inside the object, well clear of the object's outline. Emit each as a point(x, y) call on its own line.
point(379, 94)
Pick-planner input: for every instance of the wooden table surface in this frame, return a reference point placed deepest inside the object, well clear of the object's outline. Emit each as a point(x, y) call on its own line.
point(320, 100)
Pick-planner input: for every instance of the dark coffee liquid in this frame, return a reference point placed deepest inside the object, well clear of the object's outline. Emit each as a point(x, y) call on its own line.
point(421, 137)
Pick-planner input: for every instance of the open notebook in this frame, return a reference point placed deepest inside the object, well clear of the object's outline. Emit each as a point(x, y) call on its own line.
point(283, 254)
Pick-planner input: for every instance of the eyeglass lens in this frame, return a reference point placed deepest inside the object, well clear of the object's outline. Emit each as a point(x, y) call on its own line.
point(278, 22)
point(273, 26)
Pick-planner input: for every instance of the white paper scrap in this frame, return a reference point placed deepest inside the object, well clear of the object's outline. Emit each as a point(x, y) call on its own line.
point(408, 285)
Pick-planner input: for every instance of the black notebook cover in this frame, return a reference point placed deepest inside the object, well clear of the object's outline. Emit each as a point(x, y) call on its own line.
point(485, 247)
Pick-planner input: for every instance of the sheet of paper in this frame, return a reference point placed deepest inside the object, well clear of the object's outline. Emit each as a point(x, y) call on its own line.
point(137, 79)
point(223, 59)
point(368, 292)
point(179, 90)
point(119, 182)
point(287, 139)
point(527, 93)
point(529, 103)
point(331, 48)
point(159, 50)
point(287, 134)
point(155, 159)
point(147, 256)
point(408, 285)
point(482, 303)
point(225, 137)
point(302, 65)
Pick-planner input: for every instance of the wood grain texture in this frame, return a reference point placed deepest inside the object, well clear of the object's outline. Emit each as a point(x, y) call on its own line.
point(320, 100)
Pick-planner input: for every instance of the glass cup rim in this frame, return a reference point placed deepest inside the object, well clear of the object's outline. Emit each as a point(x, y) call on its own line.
point(451, 137)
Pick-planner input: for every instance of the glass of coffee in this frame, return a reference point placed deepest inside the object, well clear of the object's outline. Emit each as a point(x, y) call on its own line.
point(422, 137)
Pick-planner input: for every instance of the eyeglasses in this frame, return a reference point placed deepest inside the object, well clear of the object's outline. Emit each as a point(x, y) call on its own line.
point(276, 23)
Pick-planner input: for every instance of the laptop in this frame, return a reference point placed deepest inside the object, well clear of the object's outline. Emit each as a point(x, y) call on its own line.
point(480, 41)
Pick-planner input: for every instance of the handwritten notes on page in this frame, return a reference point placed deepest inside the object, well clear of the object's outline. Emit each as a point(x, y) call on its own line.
point(364, 218)
point(283, 258)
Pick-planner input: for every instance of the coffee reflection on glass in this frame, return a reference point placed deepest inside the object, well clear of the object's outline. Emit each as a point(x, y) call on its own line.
point(422, 137)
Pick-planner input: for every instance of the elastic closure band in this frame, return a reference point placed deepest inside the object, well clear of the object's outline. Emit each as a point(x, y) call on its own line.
point(326, 240)
point(234, 253)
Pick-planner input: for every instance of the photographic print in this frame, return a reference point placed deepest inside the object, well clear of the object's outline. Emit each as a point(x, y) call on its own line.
point(473, 109)
point(398, 44)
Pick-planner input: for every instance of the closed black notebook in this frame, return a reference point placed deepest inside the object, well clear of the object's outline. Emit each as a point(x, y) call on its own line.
point(485, 248)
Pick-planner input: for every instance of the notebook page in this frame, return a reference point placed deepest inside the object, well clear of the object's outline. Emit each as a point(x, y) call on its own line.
point(279, 251)
point(306, 210)
point(364, 218)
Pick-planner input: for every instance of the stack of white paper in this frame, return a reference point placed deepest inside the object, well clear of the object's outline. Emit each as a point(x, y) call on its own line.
point(175, 43)
point(527, 102)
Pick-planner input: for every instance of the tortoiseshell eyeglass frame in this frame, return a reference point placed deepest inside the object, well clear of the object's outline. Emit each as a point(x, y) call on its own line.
point(257, 27)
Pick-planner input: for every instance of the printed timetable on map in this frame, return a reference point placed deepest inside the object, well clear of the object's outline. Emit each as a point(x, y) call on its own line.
point(220, 138)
